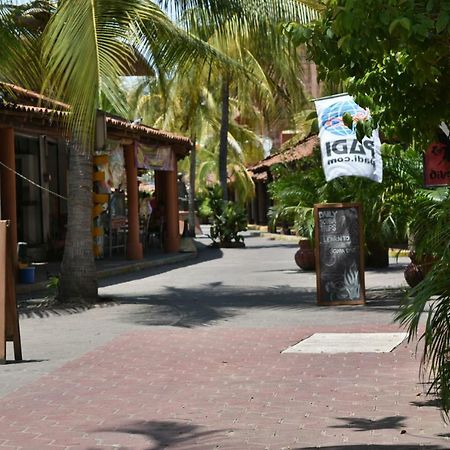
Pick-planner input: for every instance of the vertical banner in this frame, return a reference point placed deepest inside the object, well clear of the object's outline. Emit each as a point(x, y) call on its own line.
point(339, 254)
point(342, 154)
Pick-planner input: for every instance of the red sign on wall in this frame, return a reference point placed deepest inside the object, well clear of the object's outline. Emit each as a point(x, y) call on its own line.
point(436, 165)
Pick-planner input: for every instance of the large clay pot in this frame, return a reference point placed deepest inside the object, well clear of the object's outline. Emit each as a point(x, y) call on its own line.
point(413, 274)
point(417, 269)
point(304, 257)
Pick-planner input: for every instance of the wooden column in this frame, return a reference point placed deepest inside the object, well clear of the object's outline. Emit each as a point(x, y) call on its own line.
point(262, 209)
point(9, 213)
point(254, 207)
point(134, 246)
point(172, 241)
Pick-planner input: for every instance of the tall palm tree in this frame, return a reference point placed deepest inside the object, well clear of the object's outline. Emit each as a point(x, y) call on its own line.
point(109, 34)
point(86, 46)
point(198, 115)
point(247, 32)
point(253, 96)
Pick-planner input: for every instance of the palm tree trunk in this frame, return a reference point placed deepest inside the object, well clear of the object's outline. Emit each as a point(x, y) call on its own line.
point(223, 146)
point(78, 282)
point(192, 164)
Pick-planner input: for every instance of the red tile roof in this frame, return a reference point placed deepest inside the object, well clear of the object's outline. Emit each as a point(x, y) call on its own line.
point(59, 109)
point(146, 130)
point(31, 95)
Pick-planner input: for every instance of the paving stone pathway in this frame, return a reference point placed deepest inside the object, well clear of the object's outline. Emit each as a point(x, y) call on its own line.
point(190, 358)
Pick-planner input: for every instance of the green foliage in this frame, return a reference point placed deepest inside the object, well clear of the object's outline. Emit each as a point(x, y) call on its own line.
point(204, 209)
point(53, 282)
point(432, 232)
point(387, 206)
point(228, 219)
point(394, 57)
point(387, 53)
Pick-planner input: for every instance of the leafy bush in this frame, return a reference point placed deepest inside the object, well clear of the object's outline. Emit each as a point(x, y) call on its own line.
point(387, 207)
point(228, 219)
point(431, 297)
point(204, 209)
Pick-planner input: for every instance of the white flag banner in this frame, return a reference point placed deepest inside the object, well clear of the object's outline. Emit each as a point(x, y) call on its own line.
point(342, 154)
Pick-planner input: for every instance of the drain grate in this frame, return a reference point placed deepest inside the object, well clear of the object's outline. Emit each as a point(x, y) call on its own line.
point(348, 343)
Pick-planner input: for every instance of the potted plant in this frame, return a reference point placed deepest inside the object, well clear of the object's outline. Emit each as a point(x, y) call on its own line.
point(428, 239)
point(302, 218)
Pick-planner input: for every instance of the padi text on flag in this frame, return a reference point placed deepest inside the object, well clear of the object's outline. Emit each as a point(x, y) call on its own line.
point(342, 154)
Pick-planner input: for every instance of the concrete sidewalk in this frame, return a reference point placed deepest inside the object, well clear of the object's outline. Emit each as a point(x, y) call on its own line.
point(106, 268)
point(189, 357)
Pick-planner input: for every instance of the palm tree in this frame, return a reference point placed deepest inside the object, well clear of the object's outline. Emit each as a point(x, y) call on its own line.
point(250, 99)
point(86, 46)
point(108, 36)
point(246, 32)
point(21, 37)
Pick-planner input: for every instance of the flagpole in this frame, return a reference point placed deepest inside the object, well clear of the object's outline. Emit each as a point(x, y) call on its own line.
point(329, 96)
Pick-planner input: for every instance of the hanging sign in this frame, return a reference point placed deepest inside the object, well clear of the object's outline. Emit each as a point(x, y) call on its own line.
point(155, 157)
point(342, 154)
point(339, 247)
point(436, 161)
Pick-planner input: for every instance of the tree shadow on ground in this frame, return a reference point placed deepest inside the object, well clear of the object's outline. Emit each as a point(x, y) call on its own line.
point(362, 424)
point(48, 307)
point(376, 447)
point(204, 254)
point(25, 361)
point(211, 302)
point(164, 434)
point(431, 403)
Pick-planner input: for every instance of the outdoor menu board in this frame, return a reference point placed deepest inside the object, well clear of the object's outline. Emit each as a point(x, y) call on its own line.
point(339, 254)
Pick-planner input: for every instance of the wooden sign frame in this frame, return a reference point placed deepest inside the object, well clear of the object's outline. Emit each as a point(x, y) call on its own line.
point(342, 290)
point(3, 225)
point(9, 321)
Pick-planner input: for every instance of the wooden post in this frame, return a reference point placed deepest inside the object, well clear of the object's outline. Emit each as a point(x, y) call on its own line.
point(134, 247)
point(3, 291)
point(262, 212)
point(9, 213)
point(172, 241)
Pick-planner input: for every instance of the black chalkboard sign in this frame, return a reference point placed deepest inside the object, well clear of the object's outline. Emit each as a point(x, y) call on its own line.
point(339, 254)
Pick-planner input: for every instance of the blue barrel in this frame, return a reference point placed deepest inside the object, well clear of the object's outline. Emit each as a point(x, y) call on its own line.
point(27, 275)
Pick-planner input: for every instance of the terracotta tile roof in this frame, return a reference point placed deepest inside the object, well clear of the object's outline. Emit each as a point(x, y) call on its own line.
point(259, 176)
point(299, 151)
point(31, 96)
point(146, 130)
point(113, 121)
point(38, 110)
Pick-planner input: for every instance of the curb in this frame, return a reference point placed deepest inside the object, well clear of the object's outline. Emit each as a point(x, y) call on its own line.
point(114, 271)
point(274, 236)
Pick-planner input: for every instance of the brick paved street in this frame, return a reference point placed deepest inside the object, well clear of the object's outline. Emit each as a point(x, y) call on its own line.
point(189, 358)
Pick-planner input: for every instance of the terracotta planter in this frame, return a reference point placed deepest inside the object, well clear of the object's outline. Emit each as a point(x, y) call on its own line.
point(413, 274)
point(417, 269)
point(304, 257)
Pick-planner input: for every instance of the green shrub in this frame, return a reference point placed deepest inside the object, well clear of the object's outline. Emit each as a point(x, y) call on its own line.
point(228, 219)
